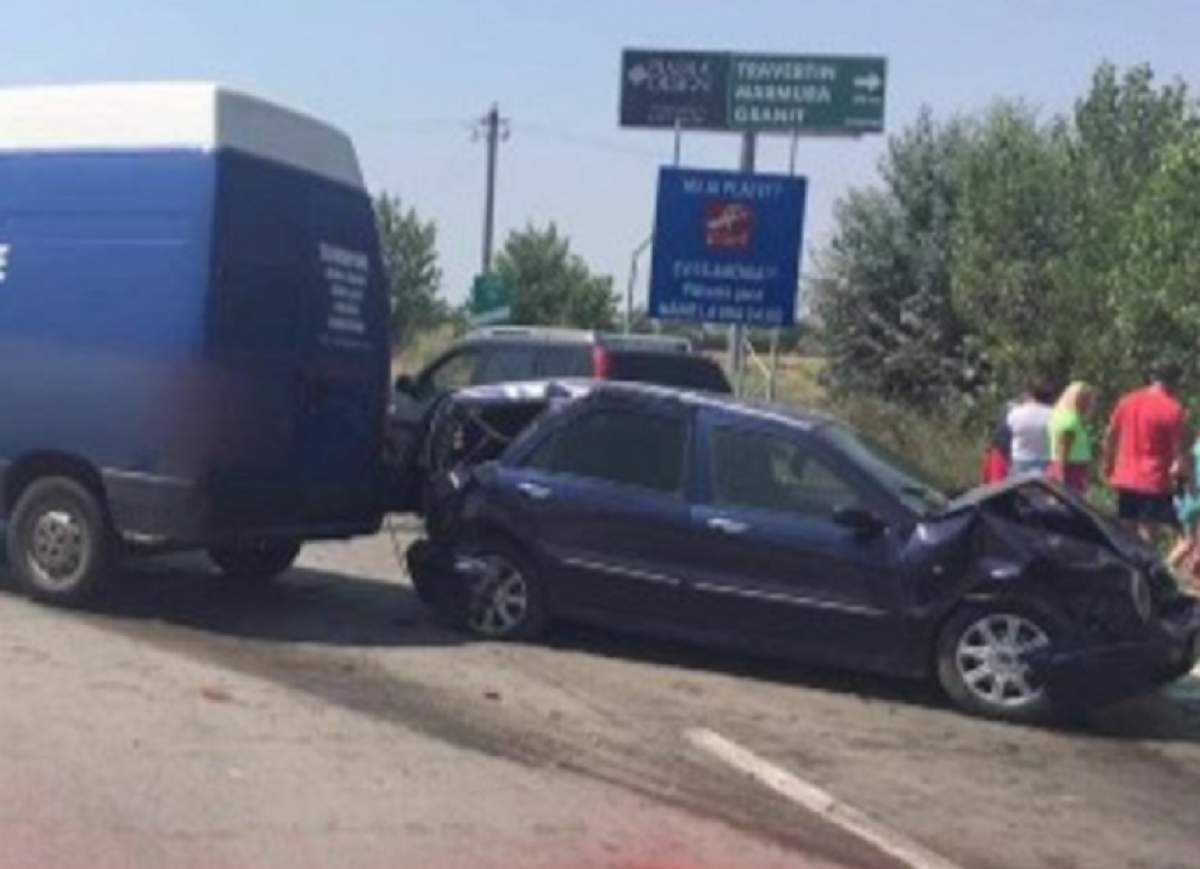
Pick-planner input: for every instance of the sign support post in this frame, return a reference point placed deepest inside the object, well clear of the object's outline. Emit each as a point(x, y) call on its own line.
point(772, 377)
point(737, 332)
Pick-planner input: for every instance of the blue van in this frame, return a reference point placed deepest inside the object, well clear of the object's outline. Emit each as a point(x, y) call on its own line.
point(194, 351)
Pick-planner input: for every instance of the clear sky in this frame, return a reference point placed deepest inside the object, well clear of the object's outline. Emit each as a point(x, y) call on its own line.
point(405, 80)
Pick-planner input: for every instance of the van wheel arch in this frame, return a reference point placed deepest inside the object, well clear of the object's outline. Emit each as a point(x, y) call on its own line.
point(30, 468)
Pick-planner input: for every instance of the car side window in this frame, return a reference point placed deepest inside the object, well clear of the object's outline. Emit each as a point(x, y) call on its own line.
point(453, 372)
point(769, 472)
point(647, 451)
point(502, 364)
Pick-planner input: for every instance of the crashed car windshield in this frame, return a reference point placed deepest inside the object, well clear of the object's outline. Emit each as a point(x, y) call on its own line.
point(911, 485)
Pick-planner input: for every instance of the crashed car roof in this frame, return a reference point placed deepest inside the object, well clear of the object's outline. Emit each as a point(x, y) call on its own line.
point(574, 388)
point(525, 390)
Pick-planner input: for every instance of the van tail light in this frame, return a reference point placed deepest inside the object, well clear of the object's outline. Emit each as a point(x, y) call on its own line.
point(600, 363)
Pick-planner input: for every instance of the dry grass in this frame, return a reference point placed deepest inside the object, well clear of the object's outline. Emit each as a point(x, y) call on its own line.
point(947, 448)
point(420, 350)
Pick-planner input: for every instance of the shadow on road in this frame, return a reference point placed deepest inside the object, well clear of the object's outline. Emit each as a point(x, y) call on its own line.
point(305, 605)
point(1171, 714)
point(735, 662)
point(329, 608)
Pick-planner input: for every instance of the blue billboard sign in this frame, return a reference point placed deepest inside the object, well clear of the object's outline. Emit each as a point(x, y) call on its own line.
point(727, 247)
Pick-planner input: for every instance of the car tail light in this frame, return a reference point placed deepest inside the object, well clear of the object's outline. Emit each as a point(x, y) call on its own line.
point(600, 363)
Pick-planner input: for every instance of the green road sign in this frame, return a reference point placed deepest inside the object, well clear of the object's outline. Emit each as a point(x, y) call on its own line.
point(769, 93)
point(806, 94)
point(491, 301)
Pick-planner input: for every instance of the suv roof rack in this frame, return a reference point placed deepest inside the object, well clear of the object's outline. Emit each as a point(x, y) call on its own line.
point(531, 333)
point(560, 335)
point(619, 341)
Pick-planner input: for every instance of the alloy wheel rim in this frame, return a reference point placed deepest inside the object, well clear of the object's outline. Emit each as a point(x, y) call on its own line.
point(58, 549)
point(992, 659)
point(500, 600)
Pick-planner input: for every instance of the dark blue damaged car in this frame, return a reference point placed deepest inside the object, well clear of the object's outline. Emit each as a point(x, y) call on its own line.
point(790, 534)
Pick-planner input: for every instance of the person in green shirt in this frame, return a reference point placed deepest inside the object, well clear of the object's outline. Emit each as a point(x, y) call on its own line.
point(1070, 445)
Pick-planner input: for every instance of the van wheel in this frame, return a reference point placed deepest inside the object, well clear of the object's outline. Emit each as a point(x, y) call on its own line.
point(256, 561)
point(59, 542)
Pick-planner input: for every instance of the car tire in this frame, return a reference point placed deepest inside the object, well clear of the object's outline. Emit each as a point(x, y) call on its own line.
point(508, 602)
point(257, 561)
point(426, 581)
point(59, 541)
point(979, 661)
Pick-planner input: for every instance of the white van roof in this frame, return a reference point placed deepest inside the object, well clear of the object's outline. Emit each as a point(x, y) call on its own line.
point(169, 115)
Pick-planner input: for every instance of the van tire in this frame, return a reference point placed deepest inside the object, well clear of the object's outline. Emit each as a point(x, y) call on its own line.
point(59, 541)
point(257, 561)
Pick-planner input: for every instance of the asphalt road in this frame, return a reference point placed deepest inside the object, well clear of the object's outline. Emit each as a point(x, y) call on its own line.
point(327, 721)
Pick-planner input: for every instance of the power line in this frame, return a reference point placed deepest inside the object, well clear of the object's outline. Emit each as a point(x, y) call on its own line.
point(568, 137)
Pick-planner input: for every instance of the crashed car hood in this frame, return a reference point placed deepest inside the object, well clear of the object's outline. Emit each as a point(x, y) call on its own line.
point(1120, 540)
point(1027, 532)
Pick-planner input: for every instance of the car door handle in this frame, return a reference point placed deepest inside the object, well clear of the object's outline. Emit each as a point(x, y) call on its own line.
point(732, 527)
point(534, 492)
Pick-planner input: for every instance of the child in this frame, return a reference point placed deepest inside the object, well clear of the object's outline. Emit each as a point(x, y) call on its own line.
point(1184, 556)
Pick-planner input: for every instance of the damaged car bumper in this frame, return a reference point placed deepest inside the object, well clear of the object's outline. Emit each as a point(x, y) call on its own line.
point(1105, 674)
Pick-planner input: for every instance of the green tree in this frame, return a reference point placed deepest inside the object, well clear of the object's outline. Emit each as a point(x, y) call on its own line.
point(1010, 236)
point(882, 286)
point(553, 286)
point(1123, 132)
point(1000, 246)
point(1159, 272)
point(409, 249)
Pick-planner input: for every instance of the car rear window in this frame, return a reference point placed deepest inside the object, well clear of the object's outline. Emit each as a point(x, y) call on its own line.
point(686, 371)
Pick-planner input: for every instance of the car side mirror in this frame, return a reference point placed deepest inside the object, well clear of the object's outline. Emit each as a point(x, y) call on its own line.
point(404, 383)
point(859, 519)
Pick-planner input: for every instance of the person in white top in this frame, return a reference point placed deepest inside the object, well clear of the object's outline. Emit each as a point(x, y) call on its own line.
point(1029, 423)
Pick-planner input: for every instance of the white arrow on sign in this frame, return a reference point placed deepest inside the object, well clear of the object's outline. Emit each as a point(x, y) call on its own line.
point(638, 75)
point(870, 82)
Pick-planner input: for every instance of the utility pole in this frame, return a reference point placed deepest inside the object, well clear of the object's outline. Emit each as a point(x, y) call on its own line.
point(494, 130)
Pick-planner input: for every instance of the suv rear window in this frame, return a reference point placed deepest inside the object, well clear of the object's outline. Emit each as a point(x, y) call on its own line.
point(564, 361)
point(686, 371)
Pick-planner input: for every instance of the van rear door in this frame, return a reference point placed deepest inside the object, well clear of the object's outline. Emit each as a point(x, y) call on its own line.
point(301, 335)
point(346, 358)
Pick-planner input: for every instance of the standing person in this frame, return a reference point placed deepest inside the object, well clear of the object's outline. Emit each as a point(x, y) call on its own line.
point(1070, 444)
point(997, 460)
point(1185, 556)
point(1029, 423)
point(1144, 443)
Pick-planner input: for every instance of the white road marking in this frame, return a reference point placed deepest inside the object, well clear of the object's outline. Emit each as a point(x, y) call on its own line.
point(818, 801)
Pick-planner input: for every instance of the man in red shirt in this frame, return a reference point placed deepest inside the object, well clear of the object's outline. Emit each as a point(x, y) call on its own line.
point(1142, 449)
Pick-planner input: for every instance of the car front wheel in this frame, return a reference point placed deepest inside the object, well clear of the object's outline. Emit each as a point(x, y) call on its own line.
point(256, 561)
point(983, 662)
point(503, 597)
